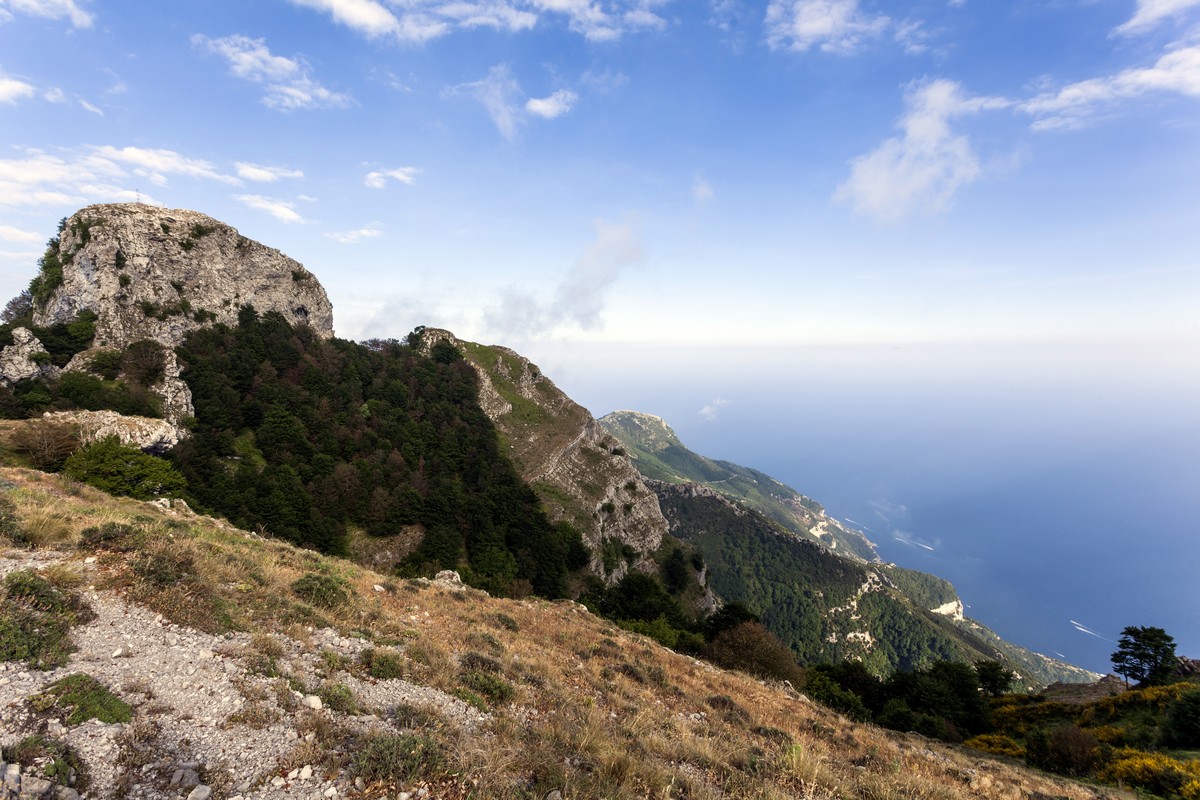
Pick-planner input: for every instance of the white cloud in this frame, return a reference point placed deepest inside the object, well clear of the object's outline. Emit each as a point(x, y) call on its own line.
point(10, 234)
point(834, 26)
point(702, 190)
point(279, 209)
point(1150, 13)
point(86, 106)
point(713, 409)
point(156, 165)
point(498, 94)
point(54, 95)
point(923, 168)
point(93, 174)
point(261, 174)
point(12, 90)
point(350, 237)
point(1177, 71)
point(423, 20)
point(580, 296)
point(287, 82)
point(553, 106)
point(51, 9)
point(379, 178)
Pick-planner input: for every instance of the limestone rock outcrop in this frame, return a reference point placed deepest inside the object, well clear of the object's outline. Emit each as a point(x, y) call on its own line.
point(579, 471)
point(21, 359)
point(152, 435)
point(157, 273)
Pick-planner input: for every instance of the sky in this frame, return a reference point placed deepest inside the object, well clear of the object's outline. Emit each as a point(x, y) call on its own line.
point(620, 187)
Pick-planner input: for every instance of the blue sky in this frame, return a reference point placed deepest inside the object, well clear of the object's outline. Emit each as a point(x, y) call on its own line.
point(812, 171)
point(941, 238)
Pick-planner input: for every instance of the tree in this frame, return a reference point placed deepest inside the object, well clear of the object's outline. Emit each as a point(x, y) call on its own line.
point(1145, 655)
point(994, 677)
point(118, 469)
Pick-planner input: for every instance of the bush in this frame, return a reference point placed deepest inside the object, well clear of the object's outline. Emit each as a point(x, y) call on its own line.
point(827, 693)
point(751, 648)
point(110, 536)
point(489, 686)
point(997, 744)
point(383, 664)
point(58, 760)
point(47, 444)
point(144, 362)
point(1153, 772)
point(1067, 750)
point(324, 591)
point(35, 620)
point(396, 758)
point(118, 469)
point(1182, 728)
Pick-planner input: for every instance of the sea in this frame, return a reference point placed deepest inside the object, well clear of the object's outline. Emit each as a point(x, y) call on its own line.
point(1056, 486)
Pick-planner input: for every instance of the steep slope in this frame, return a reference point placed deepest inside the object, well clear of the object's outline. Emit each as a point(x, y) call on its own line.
point(828, 608)
point(227, 665)
point(578, 470)
point(659, 454)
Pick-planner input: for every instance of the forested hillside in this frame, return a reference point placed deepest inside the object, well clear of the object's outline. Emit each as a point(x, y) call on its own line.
point(307, 438)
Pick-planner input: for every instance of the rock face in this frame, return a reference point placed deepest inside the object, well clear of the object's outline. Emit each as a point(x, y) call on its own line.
point(20, 359)
point(579, 471)
point(156, 273)
point(151, 435)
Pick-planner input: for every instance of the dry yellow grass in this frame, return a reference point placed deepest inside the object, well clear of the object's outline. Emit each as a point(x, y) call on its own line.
point(595, 711)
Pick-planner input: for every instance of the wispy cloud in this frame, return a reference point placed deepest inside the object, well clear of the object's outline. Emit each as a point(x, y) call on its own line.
point(281, 210)
point(1177, 72)
point(379, 178)
point(1079, 626)
point(288, 84)
point(712, 410)
point(264, 174)
point(554, 106)
point(1151, 13)
point(12, 90)
point(833, 26)
point(10, 234)
point(580, 297)
point(702, 190)
point(423, 20)
point(904, 537)
point(50, 9)
point(920, 170)
point(156, 165)
point(350, 237)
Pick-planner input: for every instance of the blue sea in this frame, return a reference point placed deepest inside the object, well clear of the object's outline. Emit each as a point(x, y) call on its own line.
point(1058, 488)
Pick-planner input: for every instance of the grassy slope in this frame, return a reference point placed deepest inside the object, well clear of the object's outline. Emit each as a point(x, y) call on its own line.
point(596, 712)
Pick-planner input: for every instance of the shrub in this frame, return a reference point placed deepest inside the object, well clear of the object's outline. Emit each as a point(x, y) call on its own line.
point(751, 648)
point(396, 758)
point(339, 697)
point(59, 761)
point(489, 686)
point(1182, 728)
point(505, 621)
point(84, 698)
point(820, 688)
point(1067, 750)
point(1153, 772)
point(110, 536)
point(47, 444)
point(324, 591)
point(144, 362)
point(35, 620)
point(383, 664)
point(163, 567)
point(480, 662)
point(997, 744)
point(107, 363)
point(118, 469)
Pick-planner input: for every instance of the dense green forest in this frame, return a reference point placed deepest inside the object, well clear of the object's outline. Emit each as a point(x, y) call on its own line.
point(303, 437)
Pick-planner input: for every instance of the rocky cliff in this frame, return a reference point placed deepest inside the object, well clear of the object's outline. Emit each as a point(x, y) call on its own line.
point(156, 274)
point(580, 472)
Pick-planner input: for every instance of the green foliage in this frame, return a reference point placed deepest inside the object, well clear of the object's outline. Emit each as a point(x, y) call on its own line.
point(505, 621)
point(1067, 750)
point(750, 647)
point(994, 677)
point(144, 362)
point(820, 688)
point(396, 758)
point(118, 469)
point(1145, 655)
point(84, 698)
point(372, 435)
point(1182, 728)
point(382, 663)
point(338, 697)
point(50, 274)
point(80, 390)
point(35, 620)
point(107, 363)
point(324, 591)
point(492, 687)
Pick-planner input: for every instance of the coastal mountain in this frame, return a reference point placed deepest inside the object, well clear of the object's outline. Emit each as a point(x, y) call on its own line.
point(658, 453)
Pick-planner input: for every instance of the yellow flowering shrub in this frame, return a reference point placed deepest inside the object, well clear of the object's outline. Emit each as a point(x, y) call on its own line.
point(1152, 771)
point(997, 744)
